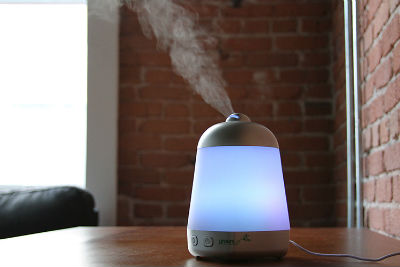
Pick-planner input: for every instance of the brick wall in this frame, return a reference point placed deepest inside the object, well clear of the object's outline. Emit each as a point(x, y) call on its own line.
point(380, 83)
point(276, 58)
point(339, 100)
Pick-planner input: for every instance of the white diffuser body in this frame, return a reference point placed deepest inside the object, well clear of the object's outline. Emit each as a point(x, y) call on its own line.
point(238, 205)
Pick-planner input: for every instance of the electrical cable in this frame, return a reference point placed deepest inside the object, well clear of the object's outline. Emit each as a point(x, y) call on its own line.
point(344, 255)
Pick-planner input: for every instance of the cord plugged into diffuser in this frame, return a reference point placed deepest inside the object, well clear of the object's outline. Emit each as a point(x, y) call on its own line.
point(344, 255)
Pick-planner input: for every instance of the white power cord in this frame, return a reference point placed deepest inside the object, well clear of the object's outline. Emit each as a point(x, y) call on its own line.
point(344, 255)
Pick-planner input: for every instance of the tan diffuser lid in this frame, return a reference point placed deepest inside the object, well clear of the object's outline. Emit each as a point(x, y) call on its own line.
point(237, 130)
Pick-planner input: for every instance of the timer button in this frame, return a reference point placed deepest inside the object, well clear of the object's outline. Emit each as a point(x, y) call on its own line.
point(208, 241)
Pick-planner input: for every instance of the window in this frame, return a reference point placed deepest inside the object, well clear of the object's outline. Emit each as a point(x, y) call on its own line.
point(43, 93)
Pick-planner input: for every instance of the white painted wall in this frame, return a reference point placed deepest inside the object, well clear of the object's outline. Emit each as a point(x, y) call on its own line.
point(101, 173)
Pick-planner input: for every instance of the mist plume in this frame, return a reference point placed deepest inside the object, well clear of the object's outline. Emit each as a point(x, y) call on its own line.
point(177, 32)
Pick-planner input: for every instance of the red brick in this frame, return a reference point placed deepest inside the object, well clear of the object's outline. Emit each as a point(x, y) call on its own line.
point(136, 42)
point(392, 156)
point(238, 77)
point(383, 74)
point(304, 143)
point(174, 177)
point(255, 109)
point(147, 210)
point(126, 125)
point(261, 78)
point(375, 163)
point(204, 10)
point(396, 61)
point(381, 17)
point(394, 124)
point(139, 175)
point(368, 38)
point(164, 92)
point(248, 44)
point(285, 125)
point(230, 25)
point(293, 9)
point(316, 59)
point(314, 211)
point(154, 58)
point(369, 190)
point(396, 189)
point(165, 126)
point(318, 125)
point(231, 60)
point(392, 221)
point(177, 211)
point(200, 126)
point(181, 144)
point(372, 8)
point(374, 56)
point(318, 92)
point(376, 109)
point(384, 189)
point(392, 95)
point(129, 75)
point(162, 77)
point(301, 42)
point(315, 26)
point(286, 92)
point(292, 194)
point(318, 108)
point(390, 35)
point(135, 109)
point(393, 4)
point(129, 25)
point(319, 160)
point(204, 111)
point(157, 160)
point(132, 141)
point(256, 26)
point(375, 218)
point(367, 139)
point(272, 59)
point(289, 25)
point(127, 156)
point(176, 110)
point(304, 76)
point(291, 159)
point(375, 135)
point(318, 194)
point(289, 109)
point(384, 131)
point(161, 193)
point(124, 211)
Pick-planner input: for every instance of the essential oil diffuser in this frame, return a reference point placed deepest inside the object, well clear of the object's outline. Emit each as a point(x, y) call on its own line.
point(238, 207)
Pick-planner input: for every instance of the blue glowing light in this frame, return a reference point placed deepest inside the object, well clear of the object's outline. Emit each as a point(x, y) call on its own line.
point(238, 189)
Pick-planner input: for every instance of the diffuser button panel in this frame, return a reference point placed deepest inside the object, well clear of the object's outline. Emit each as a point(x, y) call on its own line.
point(195, 241)
point(208, 241)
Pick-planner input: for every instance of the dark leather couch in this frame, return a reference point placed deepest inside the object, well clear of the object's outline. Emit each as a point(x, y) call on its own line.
point(27, 210)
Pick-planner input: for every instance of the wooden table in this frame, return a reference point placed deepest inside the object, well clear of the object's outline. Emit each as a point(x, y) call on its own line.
point(166, 246)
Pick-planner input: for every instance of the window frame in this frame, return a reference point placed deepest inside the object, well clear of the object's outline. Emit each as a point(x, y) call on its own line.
point(102, 111)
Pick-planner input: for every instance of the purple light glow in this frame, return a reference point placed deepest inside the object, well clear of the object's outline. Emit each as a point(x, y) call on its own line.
point(238, 189)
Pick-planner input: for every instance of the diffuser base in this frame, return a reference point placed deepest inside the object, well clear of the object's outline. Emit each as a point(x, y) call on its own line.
point(238, 245)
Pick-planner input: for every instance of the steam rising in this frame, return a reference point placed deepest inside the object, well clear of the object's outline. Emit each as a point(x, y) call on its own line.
point(177, 32)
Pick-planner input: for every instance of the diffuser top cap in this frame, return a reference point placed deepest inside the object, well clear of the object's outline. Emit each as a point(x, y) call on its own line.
point(237, 130)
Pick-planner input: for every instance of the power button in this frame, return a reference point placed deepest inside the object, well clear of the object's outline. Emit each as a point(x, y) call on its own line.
point(194, 240)
point(208, 241)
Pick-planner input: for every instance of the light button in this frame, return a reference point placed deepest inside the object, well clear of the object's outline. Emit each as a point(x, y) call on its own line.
point(195, 241)
point(208, 241)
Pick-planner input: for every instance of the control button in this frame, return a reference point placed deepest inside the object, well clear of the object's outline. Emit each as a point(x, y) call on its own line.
point(208, 241)
point(195, 241)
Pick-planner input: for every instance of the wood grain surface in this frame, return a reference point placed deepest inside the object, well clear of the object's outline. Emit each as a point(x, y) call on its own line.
point(166, 246)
